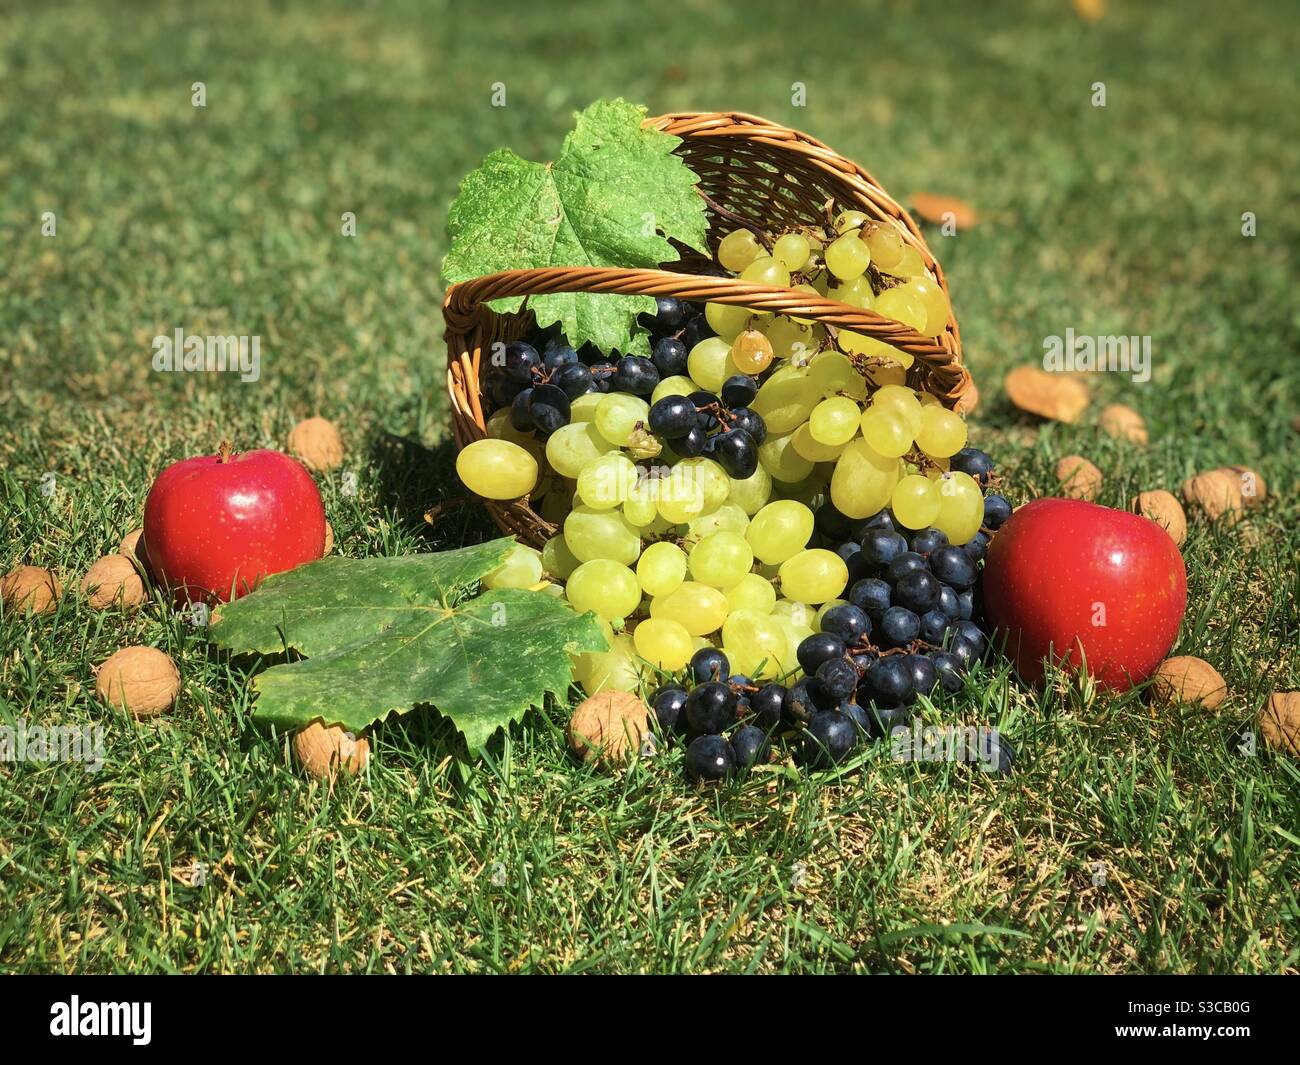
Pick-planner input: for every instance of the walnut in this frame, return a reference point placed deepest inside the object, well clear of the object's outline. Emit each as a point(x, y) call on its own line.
point(111, 580)
point(143, 680)
point(1078, 477)
point(318, 444)
point(30, 589)
point(609, 726)
point(1164, 509)
point(323, 749)
point(1188, 679)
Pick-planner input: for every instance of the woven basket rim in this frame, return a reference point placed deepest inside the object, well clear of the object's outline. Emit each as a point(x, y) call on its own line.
point(470, 322)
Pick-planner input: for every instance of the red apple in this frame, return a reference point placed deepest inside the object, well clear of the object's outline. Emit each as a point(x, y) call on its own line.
point(215, 525)
point(1075, 581)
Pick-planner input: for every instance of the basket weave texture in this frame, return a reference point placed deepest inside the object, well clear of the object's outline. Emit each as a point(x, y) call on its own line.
point(767, 174)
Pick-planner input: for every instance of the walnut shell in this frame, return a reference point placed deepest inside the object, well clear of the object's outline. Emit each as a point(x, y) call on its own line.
point(144, 680)
point(111, 580)
point(323, 749)
point(1279, 722)
point(1254, 489)
point(329, 539)
point(1123, 423)
point(318, 444)
point(130, 543)
point(1188, 679)
point(609, 726)
point(932, 207)
point(1164, 509)
point(1079, 478)
point(1060, 397)
point(31, 589)
point(1217, 493)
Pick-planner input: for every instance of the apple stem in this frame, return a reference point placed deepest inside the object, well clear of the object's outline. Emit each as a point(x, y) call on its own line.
point(225, 451)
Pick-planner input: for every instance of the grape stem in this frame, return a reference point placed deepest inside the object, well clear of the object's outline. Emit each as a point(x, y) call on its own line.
point(731, 216)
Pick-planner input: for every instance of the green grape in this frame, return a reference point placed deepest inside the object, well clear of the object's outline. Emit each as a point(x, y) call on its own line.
point(726, 518)
point(808, 447)
point(943, 433)
point(738, 249)
point(583, 409)
point(766, 271)
point(713, 479)
point(664, 644)
point(607, 481)
point(961, 507)
point(902, 305)
point(708, 362)
point(886, 245)
point(755, 644)
point(614, 670)
point(751, 352)
point(890, 373)
point(812, 290)
point(727, 320)
point(821, 612)
point(933, 302)
point(785, 399)
point(789, 337)
point(641, 507)
point(557, 560)
point(521, 569)
point(791, 250)
point(553, 508)
point(795, 634)
point(661, 568)
point(678, 385)
point(847, 257)
point(831, 373)
point(813, 575)
point(800, 613)
point(697, 607)
point(617, 415)
point(822, 283)
point(862, 482)
point(885, 429)
point(605, 588)
point(910, 263)
point(903, 402)
point(573, 447)
point(915, 501)
point(811, 490)
point(721, 559)
point(593, 534)
point(834, 421)
point(497, 469)
point(498, 427)
point(681, 497)
point(783, 463)
point(846, 221)
point(861, 344)
point(753, 492)
point(856, 293)
point(780, 530)
point(752, 592)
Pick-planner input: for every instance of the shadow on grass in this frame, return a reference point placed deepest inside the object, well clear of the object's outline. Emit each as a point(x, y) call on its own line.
point(419, 485)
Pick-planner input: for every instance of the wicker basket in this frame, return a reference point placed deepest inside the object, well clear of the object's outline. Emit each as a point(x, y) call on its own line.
point(765, 173)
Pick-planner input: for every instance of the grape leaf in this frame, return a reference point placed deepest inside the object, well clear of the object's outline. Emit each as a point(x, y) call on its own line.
point(614, 196)
point(382, 635)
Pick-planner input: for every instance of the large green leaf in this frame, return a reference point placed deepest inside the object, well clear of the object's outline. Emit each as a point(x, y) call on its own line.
point(614, 196)
point(385, 634)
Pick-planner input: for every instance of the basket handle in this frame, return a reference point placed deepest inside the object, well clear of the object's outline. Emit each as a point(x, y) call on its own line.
point(464, 302)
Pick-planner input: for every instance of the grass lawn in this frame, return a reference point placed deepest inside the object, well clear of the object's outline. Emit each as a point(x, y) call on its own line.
point(226, 219)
